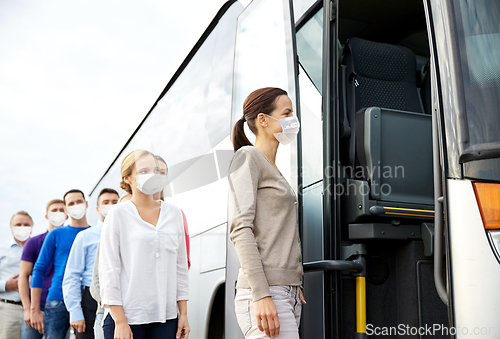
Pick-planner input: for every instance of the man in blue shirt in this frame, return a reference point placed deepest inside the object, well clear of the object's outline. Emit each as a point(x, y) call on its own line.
point(11, 309)
point(55, 249)
point(78, 275)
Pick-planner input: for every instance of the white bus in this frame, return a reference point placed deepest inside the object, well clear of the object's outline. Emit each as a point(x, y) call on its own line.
point(396, 165)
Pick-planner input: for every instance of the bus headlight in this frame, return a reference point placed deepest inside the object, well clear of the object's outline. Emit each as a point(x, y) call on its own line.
point(495, 241)
point(488, 199)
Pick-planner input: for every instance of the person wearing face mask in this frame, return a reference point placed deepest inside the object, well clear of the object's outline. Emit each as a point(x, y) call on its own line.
point(56, 217)
point(11, 309)
point(143, 269)
point(95, 289)
point(80, 267)
point(263, 220)
point(159, 196)
point(54, 321)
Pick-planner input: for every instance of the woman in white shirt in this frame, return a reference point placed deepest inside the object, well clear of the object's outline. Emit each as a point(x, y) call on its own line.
point(143, 263)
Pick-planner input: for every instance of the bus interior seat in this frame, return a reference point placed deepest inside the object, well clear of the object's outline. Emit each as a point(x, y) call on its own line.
point(383, 76)
point(388, 127)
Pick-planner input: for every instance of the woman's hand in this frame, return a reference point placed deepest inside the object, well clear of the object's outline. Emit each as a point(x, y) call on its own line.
point(123, 331)
point(301, 294)
point(267, 316)
point(37, 320)
point(182, 327)
point(27, 317)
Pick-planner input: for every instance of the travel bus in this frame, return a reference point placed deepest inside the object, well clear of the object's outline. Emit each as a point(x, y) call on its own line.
point(396, 165)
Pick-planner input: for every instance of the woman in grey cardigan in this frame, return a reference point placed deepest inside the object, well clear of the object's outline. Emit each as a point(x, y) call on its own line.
point(264, 220)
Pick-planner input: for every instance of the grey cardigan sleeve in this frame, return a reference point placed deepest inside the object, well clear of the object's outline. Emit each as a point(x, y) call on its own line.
point(243, 178)
point(94, 286)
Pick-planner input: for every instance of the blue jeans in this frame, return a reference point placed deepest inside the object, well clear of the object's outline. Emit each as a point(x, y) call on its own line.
point(28, 332)
point(165, 330)
point(56, 318)
point(98, 333)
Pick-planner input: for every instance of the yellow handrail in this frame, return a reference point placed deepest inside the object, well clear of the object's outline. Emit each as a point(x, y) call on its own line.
point(360, 304)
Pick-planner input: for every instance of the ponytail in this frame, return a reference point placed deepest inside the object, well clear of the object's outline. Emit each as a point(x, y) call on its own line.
point(126, 187)
point(239, 137)
point(262, 100)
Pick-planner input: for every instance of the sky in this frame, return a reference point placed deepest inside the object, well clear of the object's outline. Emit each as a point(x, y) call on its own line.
point(76, 79)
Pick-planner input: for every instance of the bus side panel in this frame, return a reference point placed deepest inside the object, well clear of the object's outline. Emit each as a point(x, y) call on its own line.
point(232, 329)
point(211, 281)
point(203, 282)
point(196, 321)
point(475, 270)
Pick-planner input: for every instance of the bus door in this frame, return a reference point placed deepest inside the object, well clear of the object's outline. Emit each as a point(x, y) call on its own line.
point(465, 36)
point(264, 57)
point(369, 199)
point(316, 39)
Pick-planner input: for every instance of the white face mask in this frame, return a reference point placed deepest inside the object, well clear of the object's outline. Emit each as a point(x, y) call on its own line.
point(290, 128)
point(77, 211)
point(104, 209)
point(57, 219)
point(21, 233)
point(150, 184)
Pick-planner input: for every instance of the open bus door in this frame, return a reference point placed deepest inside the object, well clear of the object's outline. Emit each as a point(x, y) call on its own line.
point(370, 209)
point(328, 260)
point(264, 57)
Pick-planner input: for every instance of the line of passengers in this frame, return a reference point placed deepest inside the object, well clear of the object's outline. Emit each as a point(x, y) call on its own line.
point(91, 279)
point(137, 283)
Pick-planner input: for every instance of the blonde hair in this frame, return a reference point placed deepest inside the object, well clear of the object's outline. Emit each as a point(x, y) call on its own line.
point(52, 202)
point(21, 213)
point(128, 164)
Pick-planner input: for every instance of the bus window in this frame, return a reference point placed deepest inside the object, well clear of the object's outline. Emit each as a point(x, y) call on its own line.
point(478, 31)
point(309, 51)
point(310, 47)
point(301, 7)
point(264, 57)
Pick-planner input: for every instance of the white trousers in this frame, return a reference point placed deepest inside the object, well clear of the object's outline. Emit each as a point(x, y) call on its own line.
point(11, 318)
point(288, 305)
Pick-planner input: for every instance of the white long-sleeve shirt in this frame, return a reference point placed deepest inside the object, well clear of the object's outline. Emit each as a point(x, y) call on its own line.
point(10, 264)
point(143, 268)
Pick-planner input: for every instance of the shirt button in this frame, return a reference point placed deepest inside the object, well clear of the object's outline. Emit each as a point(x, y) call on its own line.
point(157, 254)
point(295, 203)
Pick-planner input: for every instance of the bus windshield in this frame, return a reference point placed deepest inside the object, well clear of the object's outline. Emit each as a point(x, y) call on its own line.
point(478, 34)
